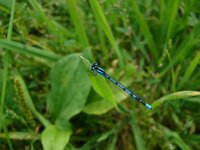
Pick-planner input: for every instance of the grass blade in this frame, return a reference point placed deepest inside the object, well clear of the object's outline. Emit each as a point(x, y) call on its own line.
point(28, 50)
point(6, 62)
point(190, 70)
point(136, 132)
point(52, 25)
point(175, 96)
point(183, 50)
point(80, 28)
point(145, 29)
point(78, 22)
point(175, 138)
point(21, 135)
point(98, 12)
point(172, 20)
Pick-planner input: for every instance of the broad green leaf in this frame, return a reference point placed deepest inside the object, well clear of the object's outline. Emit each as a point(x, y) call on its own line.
point(54, 138)
point(69, 88)
point(175, 96)
point(102, 88)
point(98, 105)
point(86, 62)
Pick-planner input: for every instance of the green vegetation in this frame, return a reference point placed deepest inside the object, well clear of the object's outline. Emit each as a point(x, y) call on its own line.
point(49, 99)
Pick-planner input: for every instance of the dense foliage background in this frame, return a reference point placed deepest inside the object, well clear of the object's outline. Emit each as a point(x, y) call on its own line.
point(50, 99)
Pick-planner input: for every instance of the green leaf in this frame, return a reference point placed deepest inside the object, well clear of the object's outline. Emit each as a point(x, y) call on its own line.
point(98, 105)
point(69, 88)
point(86, 62)
point(102, 88)
point(54, 138)
point(175, 96)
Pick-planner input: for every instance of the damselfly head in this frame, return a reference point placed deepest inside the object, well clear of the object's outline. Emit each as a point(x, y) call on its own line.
point(94, 66)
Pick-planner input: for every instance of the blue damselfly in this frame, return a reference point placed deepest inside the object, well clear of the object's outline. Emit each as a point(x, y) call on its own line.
point(96, 69)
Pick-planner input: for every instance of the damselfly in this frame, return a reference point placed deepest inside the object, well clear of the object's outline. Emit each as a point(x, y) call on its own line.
point(96, 69)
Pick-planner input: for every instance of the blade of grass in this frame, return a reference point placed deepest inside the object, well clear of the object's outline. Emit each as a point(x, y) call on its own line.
point(172, 19)
point(113, 142)
point(28, 50)
point(52, 25)
point(101, 39)
point(136, 132)
point(8, 138)
point(161, 15)
point(79, 25)
point(172, 70)
point(190, 70)
point(145, 29)
point(194, 138)
point(6, 62)
point(175, 96)
point(78, 22)
point(183, 50)
point(168, 12)
point(175, 138)
point(98, 12)
point(21, 135)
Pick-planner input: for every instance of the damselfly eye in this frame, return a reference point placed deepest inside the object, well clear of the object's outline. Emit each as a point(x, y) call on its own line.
point(94, 66)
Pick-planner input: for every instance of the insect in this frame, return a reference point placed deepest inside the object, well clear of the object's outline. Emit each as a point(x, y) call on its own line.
point(97, 70)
